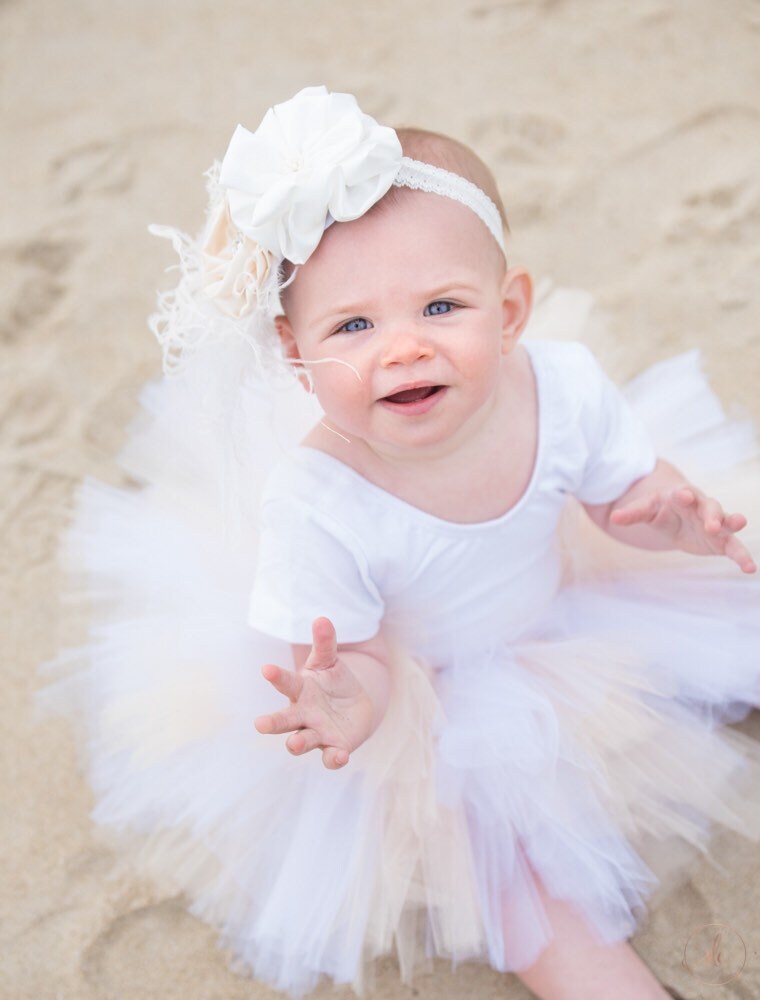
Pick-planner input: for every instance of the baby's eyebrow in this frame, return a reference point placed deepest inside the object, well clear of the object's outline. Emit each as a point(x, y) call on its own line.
point(351, 309)
point(449, 288)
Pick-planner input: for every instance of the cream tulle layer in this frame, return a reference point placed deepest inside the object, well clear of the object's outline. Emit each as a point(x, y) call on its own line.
point(593, 752)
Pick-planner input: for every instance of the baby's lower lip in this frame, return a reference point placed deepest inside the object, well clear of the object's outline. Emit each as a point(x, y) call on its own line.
point(419, 405)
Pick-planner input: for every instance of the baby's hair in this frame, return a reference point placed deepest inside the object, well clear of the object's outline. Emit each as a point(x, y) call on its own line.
point(450, 154)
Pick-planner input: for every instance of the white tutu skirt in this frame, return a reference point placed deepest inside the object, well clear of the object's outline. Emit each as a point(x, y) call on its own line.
point(594, 752)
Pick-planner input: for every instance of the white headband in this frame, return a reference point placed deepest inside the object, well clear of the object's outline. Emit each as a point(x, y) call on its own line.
point(425, 177)
point(314, 160)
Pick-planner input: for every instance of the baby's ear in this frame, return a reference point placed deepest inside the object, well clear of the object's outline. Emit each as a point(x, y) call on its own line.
point(285, 333)
point(516, 305)
point(289, 345)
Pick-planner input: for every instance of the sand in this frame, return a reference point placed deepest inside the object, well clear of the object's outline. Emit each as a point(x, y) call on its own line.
point(626, 141)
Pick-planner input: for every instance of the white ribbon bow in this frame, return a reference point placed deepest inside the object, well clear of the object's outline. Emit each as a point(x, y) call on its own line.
point(314, 159)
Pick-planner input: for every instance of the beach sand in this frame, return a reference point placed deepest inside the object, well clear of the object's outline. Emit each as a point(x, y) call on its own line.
point(626, 141)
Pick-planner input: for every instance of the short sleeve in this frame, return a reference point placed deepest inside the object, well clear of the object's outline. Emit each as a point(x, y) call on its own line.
point(617, 447)
point(309, 565)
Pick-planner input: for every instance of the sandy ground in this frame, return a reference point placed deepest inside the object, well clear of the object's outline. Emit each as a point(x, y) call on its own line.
point(626, 140)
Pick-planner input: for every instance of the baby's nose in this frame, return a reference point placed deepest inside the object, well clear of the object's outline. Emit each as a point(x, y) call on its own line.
point(405, 348)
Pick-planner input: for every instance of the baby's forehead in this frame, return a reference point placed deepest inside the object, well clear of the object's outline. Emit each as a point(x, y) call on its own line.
point(413, 202)
point(413, 223)
point(395, 254)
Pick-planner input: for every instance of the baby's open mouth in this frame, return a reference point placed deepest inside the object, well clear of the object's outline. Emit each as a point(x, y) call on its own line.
point(411, 395)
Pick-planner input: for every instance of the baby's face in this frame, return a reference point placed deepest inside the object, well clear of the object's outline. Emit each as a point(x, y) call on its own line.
point(413, 292)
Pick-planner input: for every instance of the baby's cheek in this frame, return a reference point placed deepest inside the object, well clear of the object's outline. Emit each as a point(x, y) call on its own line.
point(338, 389)
point(482, 368)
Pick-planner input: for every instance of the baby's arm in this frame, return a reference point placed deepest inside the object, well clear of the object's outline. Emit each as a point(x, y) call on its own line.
point(338, 694)
point(662, 510)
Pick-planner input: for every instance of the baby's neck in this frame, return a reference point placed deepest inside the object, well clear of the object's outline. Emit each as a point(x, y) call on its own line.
point(474, 480)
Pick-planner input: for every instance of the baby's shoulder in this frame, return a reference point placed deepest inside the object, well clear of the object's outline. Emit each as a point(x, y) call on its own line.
point(290, 481)
point(310, 486)
point(567, 370)
point(570, 356)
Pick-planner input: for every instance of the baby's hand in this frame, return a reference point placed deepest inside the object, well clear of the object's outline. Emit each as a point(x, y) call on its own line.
point(329, 709)
point(693, 521)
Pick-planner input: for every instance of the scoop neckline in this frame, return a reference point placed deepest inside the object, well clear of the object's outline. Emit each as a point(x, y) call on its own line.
point(425, 516)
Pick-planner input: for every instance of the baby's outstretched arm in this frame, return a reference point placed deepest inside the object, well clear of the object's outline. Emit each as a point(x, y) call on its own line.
point(337, 699)
point(664, 511)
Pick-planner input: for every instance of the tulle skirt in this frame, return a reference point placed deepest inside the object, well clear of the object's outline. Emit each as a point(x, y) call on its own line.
point(594, 752)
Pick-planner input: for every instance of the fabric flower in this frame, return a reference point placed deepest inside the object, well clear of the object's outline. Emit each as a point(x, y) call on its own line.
point(234, 267)
point(314, 159)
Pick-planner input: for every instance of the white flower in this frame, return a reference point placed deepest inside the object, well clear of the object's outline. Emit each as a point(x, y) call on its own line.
point(314, 159)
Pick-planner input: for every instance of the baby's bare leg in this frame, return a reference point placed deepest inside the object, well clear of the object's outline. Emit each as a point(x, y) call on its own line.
point(576, 966)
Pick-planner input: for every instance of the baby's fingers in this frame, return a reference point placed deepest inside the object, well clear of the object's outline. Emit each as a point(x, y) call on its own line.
point(735, 522)
point(708, 510)
point(324, 649)
point(286, 682)
point(334, 758)
point(303, 741)
point(736, 551)
point(279, 722)
point(307, 739)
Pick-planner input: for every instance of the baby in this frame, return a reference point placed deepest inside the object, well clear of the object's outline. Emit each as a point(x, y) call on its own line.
point(502, 739)
point(438, 405)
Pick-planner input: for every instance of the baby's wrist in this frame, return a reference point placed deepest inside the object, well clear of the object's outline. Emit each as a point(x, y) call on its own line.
point(374, 677)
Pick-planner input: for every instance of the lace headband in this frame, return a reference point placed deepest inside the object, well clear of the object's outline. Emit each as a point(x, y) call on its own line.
point(314, 160)
point(425, 177)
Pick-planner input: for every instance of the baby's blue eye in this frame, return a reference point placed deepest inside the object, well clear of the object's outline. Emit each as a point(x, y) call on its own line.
point(352, 327)
point(438, 308)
